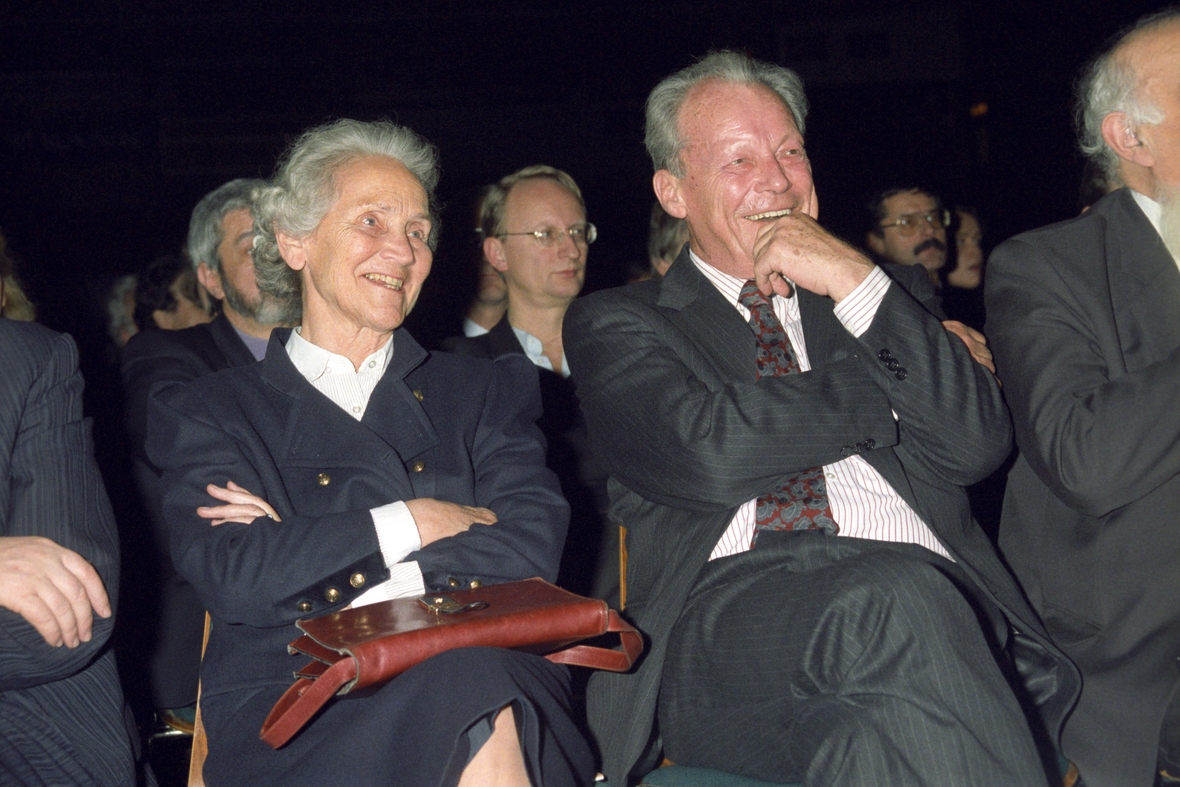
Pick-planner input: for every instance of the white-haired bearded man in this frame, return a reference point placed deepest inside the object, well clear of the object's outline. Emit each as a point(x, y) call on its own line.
point(1084, 322)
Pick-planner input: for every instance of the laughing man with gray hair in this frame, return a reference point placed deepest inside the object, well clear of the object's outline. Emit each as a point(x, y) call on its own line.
point(788, 432)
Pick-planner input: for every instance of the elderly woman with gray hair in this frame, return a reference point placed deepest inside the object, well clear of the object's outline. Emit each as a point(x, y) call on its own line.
point(351, 466)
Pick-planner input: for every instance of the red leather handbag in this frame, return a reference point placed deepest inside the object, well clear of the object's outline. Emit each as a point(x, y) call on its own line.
point(373, 644)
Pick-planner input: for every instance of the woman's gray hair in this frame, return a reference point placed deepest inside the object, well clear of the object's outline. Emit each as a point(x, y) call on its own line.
point(304, 189)
point(662, 129)
point(1108, 85)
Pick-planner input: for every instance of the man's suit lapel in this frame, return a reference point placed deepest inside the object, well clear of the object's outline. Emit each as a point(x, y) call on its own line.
point(704, 316)
point(501, 339)
point(1144, 285)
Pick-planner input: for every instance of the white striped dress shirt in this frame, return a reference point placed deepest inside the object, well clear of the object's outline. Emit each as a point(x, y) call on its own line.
point(397, 534)
point(863, 503)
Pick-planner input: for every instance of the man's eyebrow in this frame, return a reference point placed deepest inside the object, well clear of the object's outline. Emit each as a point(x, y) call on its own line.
point(247, 234)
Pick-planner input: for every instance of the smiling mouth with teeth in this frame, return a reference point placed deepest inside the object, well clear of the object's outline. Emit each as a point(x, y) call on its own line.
point(771, 215)
point(386, 281)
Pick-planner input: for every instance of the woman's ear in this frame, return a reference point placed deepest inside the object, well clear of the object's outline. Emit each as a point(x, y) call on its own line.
point(293, 250)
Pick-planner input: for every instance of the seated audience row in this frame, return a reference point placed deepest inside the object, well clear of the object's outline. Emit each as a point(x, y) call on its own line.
point(784, 427)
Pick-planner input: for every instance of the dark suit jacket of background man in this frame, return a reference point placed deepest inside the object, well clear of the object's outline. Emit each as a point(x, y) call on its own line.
point(590, 560)
point(1084, 320)
point(661, 366)
point(266, 428)
point(50, 486)
point(176, 616)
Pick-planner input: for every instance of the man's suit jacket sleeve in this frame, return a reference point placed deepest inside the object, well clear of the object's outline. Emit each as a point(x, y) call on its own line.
point(51, 488)
point(680, 439)
point(1097, 431)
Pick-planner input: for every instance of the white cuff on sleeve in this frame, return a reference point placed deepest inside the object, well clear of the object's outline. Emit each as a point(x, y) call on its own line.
point(859, 307)
point(405, 581)
point(397, 532)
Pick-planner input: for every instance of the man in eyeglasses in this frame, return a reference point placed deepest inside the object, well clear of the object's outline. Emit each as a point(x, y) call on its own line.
point(535, 233)
point(909, 228)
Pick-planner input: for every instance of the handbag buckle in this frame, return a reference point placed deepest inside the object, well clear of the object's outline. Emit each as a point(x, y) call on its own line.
point(445, 605)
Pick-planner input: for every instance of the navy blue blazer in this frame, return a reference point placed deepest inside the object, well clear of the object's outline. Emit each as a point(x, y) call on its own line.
point(437, 425)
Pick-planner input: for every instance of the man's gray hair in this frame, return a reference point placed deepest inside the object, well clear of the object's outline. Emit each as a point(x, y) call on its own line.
point(1108, 85)
point(204, 228)
point(304, 188)
point(662, 129)
point(495, 196)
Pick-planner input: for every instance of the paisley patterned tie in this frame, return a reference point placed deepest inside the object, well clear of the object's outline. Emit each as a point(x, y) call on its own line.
point(802, 502)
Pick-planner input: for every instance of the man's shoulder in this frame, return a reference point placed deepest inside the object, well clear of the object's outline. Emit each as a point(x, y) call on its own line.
point(26, 348)
point(28, 341)
point(630, 296)
point(231, 388)
point(1081, 237)
point(195, 345)
point(469, 346)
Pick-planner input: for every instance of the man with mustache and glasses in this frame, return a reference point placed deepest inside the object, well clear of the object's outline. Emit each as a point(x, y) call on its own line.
point(909, 228)
point(220, 247)
point(788, 432)
point(1084, 317)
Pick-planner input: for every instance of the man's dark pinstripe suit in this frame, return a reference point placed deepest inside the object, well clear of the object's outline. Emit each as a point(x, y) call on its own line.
point(61, 709)
point(666, 379)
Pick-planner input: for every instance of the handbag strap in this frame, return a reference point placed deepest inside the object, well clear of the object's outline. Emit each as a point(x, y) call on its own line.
point(301, 701)
point(605, 658)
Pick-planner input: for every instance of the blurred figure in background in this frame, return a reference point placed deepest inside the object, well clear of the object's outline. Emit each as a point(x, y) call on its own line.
point(962, 295)
point(1095, 185)
point(490, 303)
point(908, 227)
point(121, 310)
point(666, 235)
point(16, 305)
point(168, 296)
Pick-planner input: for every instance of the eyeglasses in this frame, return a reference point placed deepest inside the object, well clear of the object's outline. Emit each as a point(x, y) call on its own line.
point(910, 223)
point(580, 234)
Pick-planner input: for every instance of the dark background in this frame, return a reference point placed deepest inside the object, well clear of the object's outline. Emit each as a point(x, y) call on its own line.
point(116, 117)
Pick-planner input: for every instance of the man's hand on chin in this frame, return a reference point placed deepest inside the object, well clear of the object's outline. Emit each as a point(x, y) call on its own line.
point(795, 247)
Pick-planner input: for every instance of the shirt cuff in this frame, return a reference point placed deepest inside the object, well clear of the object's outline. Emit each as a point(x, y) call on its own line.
point(397, 533)
point(405, 581)
point(859, 307)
